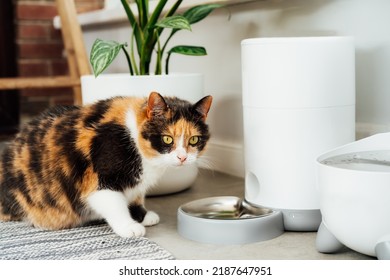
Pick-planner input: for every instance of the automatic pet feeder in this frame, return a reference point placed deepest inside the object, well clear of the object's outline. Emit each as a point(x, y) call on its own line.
point(299, 101)
point(354, 185)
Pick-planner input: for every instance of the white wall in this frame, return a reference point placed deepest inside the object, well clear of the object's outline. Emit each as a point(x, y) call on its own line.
point(366, 20)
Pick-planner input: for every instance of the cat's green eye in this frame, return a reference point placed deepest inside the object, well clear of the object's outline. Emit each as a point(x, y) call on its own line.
point(194, 140)
point(167, 139)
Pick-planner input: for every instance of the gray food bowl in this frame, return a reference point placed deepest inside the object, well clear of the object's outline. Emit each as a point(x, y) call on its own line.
point(228, 220)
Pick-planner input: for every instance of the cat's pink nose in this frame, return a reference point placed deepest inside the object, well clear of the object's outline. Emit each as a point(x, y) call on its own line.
point(182, 158)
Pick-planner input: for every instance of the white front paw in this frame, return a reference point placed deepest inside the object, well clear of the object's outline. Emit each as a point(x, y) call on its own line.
point(151, 218)
point(130, 230)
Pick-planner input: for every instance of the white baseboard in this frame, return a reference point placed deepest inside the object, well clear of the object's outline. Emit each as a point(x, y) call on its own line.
point(364, 130)
point(228, 157)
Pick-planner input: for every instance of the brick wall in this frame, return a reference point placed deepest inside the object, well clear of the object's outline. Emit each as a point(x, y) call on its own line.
point(40, 50)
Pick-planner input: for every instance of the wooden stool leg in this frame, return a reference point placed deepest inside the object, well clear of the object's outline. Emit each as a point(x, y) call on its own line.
point(74, 44)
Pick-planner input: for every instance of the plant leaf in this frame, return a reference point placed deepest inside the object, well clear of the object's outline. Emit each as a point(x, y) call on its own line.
point(174, 22)
point(197, 13)
point(188, 50)
point(134, 24)
point(102, 54)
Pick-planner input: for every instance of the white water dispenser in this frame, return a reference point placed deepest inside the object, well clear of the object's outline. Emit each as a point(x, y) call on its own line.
point(298, 102)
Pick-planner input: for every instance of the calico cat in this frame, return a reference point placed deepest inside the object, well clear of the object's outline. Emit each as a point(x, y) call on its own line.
point(75, 164)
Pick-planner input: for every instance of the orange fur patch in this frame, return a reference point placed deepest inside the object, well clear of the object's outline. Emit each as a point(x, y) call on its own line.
point(48, 217)
point(182, 127)
point(55, 157)
point(1, 171)
point(119, 107)
point(89, 183)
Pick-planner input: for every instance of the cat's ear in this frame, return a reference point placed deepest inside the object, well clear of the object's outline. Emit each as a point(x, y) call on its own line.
point(156, 105)
point(203, 106)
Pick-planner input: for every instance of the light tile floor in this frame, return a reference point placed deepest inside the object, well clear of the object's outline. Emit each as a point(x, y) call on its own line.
point(288, 246)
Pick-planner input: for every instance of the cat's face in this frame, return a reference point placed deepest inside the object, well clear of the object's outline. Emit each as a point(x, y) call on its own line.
point(175, 132)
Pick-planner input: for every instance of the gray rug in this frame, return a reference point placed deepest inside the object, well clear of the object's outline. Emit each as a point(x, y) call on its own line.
point(19, 241)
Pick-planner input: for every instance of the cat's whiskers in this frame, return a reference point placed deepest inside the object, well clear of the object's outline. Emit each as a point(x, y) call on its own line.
point(206, 162)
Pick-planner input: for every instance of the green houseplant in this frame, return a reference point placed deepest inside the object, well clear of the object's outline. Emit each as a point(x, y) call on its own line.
point(147, 39)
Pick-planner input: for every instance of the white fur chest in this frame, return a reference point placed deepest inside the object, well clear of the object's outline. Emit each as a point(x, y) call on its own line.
point(149, 178)
point(151, 174)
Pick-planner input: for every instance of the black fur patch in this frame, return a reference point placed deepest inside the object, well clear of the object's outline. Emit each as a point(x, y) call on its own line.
point(137, 212)
point(68, 188)
point(115, 157)
point(205, 134)
point(14, 181)
point(152, 132)
point(99, 109)
point(33, 142)
point(50, 200)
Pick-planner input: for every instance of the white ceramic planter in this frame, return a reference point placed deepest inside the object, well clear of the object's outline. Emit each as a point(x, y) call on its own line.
point(186, 86)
